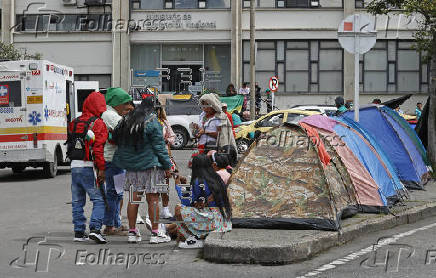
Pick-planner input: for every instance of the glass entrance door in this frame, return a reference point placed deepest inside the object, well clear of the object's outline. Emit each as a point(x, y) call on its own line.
point(175, 84)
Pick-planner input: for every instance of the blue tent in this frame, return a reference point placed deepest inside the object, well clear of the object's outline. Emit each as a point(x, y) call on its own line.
point(380, 169)
point(410, 130)
point(395, 142)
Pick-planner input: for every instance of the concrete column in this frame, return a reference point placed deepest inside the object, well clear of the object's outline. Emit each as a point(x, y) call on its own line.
point(120, 44)
point(349, 9)
point(116, 58)
point(125, 48)
point(7, 12)
point(236, 44)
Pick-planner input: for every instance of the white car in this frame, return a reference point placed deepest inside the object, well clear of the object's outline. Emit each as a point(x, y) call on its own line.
point(180, 125)
point(323, 109)
point(180, 114)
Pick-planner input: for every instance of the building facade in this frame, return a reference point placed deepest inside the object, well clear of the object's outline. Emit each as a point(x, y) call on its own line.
point(122, 43)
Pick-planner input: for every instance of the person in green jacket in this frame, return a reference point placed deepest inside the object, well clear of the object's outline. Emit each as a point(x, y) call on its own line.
point(143, 153)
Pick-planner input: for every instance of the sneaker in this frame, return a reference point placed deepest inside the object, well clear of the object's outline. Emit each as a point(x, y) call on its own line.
point(165, 213)
point(134, 237)
point(96, 236)
point(148, 223)
point(160, 237)
point(80, 237)
point(139, 220)
point(191, 242)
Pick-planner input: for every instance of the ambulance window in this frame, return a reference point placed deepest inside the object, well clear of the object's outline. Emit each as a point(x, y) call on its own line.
point(10, 94)
point(81, 96)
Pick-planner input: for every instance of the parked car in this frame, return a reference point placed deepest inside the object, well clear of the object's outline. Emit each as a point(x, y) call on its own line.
point(323, 109)
point(245, 133)
point(181, 111)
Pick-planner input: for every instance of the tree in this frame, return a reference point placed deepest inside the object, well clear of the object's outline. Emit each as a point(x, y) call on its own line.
point(425, 41)
point(9, 52)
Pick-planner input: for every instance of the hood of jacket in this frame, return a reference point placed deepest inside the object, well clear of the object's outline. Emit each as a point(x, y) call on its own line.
point(94, 105)
point(214, 101)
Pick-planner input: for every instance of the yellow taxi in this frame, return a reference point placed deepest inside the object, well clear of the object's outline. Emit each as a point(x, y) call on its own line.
point(245, 133)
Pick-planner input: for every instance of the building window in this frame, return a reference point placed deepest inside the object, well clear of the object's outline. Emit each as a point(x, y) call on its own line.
point(64, 22)
point(180, 4)
point(145, 57)
point(210, 65)
point(104, 80)
point(375, 66)
point(298, 3)
point(217, 67)
point(394, 66)
point(309, 66)
point(360, 3)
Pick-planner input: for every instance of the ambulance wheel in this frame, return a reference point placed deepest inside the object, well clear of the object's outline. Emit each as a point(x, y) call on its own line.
point(18, 169)
point(50, 169)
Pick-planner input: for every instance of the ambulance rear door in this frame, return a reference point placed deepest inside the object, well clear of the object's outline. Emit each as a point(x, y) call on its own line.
point(14, 116)
point(82, 89)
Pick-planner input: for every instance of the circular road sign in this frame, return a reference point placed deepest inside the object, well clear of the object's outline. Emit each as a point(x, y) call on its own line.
point(357, 34)
point(273, 83)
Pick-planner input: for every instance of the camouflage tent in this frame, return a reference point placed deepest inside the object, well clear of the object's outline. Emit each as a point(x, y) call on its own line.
point(282, 184)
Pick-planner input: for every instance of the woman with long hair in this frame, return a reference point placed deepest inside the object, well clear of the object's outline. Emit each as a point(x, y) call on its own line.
point(207, 209)
point(142, 152)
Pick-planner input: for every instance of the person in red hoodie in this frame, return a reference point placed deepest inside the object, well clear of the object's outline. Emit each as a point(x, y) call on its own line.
point(83, 180)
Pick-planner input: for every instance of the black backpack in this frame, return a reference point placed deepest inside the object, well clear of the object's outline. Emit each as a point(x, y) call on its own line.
point(76, 140)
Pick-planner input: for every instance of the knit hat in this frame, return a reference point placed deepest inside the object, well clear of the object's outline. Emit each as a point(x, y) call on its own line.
point(117, 96)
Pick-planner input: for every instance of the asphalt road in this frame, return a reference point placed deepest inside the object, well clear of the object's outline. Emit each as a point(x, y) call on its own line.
point(35, 217)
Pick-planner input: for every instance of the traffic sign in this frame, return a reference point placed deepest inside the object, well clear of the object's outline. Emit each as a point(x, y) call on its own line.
point(273, 83)
point(357, 35)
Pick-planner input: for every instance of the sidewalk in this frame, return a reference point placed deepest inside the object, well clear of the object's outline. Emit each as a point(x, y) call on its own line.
point(288, 246)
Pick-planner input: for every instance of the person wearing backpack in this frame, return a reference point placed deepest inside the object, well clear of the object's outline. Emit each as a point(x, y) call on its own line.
point(87, 136)
point(118, 104)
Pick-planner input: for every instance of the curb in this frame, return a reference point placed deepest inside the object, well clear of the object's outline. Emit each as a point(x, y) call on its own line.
point(219, 249)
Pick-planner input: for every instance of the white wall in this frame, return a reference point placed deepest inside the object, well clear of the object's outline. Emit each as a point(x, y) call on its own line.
point(87, 53)
point(221, 33)
point(321, 24)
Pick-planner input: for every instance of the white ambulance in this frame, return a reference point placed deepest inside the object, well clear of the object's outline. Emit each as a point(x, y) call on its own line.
point(37, 101)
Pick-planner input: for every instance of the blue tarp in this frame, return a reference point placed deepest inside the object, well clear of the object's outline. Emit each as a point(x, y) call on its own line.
point(372, 120)
point(410, 130)
point(417, 161)
point(384, 157)
point(368, 157)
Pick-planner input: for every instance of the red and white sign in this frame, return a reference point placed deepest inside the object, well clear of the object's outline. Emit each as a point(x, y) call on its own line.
point(357, 33)
point(274, 83)
point(36, 72)
point(4, 94)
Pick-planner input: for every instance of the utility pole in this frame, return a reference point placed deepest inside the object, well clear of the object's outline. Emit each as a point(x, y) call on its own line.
point(252, 60)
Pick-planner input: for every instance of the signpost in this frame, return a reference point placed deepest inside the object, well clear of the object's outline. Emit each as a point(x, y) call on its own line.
point(357, 35)
point(273, 86)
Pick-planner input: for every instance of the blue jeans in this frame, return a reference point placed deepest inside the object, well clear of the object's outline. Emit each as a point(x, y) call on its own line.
point(83, 181)
point(112, 215)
